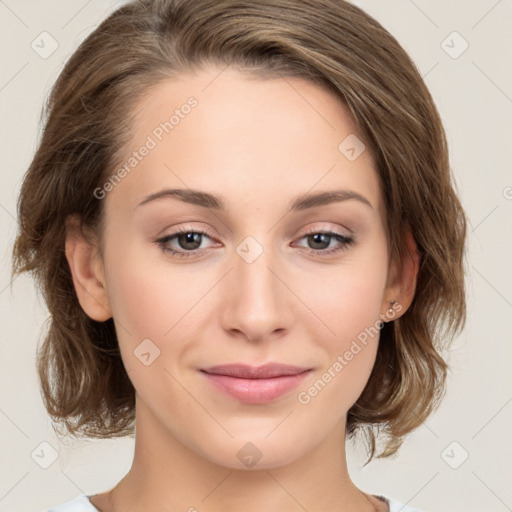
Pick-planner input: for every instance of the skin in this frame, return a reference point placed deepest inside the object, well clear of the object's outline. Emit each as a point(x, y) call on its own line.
point(258, 144)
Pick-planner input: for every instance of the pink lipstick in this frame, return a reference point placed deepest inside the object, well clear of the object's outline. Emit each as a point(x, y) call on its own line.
point(255, 384)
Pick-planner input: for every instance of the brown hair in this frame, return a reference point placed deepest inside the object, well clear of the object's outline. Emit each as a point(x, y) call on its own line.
point(87, 126)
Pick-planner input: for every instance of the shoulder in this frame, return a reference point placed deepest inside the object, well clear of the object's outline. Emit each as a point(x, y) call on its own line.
point(79, 504)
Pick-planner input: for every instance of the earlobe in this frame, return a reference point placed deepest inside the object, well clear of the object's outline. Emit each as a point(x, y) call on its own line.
point(87, 272)
point(401, 285)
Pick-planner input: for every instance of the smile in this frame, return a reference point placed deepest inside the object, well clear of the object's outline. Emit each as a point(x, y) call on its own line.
point(255, 385)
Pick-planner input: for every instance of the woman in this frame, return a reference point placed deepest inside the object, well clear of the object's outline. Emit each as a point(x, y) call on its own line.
point(243, 221)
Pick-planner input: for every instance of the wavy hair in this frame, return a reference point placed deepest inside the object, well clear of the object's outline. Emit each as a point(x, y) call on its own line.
point(335, 45)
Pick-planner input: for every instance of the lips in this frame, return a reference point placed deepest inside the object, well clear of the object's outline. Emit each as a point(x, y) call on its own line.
point(243, 371)
point(255, 384)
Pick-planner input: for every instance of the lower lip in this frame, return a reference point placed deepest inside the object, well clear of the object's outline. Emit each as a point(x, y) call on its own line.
point(256, 391)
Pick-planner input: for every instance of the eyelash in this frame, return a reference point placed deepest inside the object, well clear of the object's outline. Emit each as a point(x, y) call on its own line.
point(344, 240)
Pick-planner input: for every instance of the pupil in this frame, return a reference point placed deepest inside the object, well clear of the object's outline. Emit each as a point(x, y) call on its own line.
point(190, 238)
point(320, 239)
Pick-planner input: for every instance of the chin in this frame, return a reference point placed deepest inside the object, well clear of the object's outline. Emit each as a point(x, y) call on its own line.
point(254, 453)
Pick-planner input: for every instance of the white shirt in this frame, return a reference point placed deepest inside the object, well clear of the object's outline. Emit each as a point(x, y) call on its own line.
point(83, 504)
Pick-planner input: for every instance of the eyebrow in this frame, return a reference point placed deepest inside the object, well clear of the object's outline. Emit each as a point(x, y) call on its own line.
point(303, 202)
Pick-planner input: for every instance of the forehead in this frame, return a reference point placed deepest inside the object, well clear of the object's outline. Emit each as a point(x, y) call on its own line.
point(234, 135)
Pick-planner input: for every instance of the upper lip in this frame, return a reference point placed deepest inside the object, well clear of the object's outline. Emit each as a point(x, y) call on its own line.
point(244, 371)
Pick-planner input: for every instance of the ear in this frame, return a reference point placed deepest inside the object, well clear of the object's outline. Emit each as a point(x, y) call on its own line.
point(401, 283)
point(87, 271)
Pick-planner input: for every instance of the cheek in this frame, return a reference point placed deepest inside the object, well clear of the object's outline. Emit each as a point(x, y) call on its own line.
point(149, 300)
point(349, 353)
point(348, 297)
point(349, 306)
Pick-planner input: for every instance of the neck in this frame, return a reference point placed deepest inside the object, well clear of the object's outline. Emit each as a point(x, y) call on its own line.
point(168, 476)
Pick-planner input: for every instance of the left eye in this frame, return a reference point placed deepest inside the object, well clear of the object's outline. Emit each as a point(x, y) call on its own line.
point(189, 242)
point(321, 241)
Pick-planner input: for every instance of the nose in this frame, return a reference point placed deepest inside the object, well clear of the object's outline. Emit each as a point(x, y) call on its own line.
point(257, 303)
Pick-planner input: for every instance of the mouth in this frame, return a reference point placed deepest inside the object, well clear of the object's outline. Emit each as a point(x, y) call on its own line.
point(255, 384)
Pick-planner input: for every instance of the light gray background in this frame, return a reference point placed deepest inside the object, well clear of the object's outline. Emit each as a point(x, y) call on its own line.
point(474, 95)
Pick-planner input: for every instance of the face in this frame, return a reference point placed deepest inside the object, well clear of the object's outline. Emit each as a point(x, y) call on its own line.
point(256, 275)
